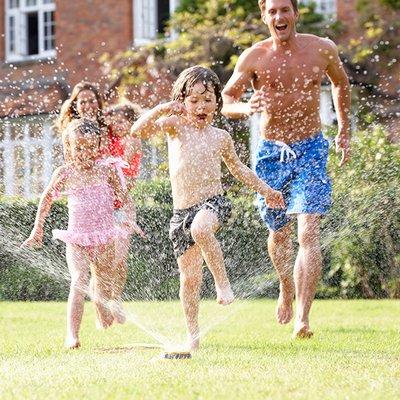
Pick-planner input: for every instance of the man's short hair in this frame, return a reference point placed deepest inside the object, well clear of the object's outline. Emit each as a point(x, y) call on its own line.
point(295, 4)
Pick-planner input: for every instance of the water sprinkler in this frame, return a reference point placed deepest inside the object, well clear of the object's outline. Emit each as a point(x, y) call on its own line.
point(176, 355)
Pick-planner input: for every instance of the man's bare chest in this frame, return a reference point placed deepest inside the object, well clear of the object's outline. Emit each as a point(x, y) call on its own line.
point(286, 73)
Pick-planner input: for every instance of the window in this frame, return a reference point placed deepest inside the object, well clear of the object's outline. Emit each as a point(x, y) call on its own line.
point(326, 7)
point(150, 18)
point(30, 29)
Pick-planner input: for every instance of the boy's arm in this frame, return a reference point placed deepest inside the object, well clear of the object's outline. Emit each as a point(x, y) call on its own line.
point(273, 198)
point(44, 206)
point(151, 124)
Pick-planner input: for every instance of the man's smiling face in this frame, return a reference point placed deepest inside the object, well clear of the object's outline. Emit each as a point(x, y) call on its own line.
point(281, 18)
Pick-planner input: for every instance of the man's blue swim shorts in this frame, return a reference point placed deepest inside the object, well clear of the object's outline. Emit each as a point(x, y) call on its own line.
point(300, 173)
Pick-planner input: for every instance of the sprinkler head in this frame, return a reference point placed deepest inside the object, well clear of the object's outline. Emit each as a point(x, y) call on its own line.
point(177, 355)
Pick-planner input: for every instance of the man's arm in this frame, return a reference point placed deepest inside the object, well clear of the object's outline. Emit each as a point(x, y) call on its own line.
point(341, 99)
point(238, 83)
point(273, 198)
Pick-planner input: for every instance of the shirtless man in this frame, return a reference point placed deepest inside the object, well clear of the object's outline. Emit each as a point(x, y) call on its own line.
point(285, 72)
point(195, 152)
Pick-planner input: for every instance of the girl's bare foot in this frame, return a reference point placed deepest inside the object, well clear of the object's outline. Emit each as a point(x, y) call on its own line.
point(302, 331)
point(225, 295)
point(72, 343)
point(117, 312)
point(104, 318)
point(284, 309)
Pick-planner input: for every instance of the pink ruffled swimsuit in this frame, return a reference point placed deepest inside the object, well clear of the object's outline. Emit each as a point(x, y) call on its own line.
point(91, 220)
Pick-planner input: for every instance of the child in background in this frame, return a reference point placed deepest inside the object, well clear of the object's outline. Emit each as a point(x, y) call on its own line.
point(121, 144)
point(195, 152)
point(123, 147)
point(91, 189)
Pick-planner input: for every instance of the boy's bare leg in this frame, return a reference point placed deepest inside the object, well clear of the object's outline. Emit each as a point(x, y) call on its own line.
point(203, 229)
point(78, 266)
point(307, 271)
point(280, 249)
point(191, 274)
point(103, 268)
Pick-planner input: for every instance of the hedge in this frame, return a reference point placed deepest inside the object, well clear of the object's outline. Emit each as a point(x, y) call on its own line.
point(360, 238)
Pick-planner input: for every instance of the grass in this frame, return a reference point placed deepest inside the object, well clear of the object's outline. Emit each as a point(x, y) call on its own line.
point(354, 354)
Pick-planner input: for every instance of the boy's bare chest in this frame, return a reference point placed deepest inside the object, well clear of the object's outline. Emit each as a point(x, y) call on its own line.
point(194, 151)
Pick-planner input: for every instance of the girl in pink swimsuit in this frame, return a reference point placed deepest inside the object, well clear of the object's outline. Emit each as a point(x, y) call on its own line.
point(90, 237)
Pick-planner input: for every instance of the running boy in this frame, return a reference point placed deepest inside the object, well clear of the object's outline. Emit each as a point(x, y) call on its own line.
point(196, 149)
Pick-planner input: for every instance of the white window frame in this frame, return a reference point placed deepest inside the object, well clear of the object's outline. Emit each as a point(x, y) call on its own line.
point(145, 15)
point(327, 8)
point(144, 21)
point(20, 40)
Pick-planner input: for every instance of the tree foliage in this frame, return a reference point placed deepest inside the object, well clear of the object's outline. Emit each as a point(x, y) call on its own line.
point(211, 33)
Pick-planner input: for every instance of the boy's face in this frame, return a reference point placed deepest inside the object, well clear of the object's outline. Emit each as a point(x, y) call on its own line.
point(87, 104)
point(201, 104)
point(280, 18)
point(120, 125)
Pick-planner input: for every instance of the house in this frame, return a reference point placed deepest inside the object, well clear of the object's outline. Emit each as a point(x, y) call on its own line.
point(47, 46)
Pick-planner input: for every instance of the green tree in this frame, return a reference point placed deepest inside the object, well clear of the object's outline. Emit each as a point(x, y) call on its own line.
point(212, 33)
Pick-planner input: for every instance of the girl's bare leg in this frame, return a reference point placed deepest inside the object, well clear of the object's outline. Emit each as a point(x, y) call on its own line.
point(78, 265)
point(203, 229)
point(103, 268)
point(121, 272)
point(191, 274)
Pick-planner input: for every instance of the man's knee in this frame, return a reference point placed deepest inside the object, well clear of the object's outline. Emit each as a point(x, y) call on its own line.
point(280, 236)
point(309, 232)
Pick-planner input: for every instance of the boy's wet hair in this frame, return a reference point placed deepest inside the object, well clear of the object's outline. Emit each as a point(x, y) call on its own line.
point(190, 76)
point(130, 111)
point(295, 4)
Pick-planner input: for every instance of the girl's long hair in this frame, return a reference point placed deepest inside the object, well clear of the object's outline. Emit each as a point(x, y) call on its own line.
point(69, 111)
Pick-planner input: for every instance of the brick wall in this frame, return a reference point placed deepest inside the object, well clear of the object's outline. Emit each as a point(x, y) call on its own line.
point(347, 13)
point(84, 30)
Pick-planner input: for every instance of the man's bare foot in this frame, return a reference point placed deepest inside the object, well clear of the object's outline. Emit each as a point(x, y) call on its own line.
point(72, 343)
point(225, 296)
point(284, 309)
point(302, 331)
point(117, 312)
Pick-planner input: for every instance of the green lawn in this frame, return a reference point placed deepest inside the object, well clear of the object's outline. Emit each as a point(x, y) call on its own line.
point(355, 354)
